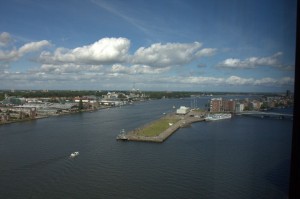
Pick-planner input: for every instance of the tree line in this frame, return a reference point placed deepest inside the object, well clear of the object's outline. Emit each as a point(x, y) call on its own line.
point(72, 93)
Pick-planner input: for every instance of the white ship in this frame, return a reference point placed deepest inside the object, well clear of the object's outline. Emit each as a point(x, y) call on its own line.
point(122, 135)
point(218, 116)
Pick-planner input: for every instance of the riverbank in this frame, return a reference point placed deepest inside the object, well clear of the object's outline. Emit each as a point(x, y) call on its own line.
point(52, 115)
point(161, 129)
point(22, 120)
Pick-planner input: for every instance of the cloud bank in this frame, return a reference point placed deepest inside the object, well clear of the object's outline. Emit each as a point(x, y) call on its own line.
point(137, 69)
point(116, 50)
point(33, 78)
point(113, 53)
point(254, 62)
point(108, 61)
point(103, 51)
point(170, 54)
point(15, 54)
point(232, 80)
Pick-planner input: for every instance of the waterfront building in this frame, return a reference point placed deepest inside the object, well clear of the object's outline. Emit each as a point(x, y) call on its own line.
point(255, 105)
point(239, 107)
point(228, 105)
point(111, 96)
point(216, 105)
point(77, 99)
point(86, 99)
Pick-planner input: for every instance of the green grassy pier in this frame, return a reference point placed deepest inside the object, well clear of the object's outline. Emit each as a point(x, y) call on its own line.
point(159, 130)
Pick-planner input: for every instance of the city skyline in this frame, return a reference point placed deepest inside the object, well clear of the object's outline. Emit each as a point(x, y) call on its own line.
point(170, 45)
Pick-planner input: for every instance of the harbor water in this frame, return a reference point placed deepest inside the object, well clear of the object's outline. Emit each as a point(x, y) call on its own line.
point(242, 157)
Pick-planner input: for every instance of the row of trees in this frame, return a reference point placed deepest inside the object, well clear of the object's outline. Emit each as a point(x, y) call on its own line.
point(50, 94)
point(59, 93)
point(69, 93)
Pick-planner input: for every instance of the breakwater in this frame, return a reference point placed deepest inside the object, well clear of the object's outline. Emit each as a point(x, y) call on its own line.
point(161, 134)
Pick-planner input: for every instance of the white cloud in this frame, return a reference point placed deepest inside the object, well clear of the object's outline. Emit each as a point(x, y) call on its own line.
point(206, 52)
point(15, 54)
point(232, 80)
point(264, 81)
point(137, 69)
point(112, 51)
point(33, 46)
point(170, 54)
point(5, 38)
point(234, 63)
point(235, 80)
point(104, 51)
point(108, 61)
point(119, 76)
point(7, 56)
point(42, 78)
point(202, 80)
point(274, 82)
point(253, 62)
point(69, 68)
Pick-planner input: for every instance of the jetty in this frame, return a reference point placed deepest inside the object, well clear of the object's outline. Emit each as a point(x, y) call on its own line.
point(159, 130)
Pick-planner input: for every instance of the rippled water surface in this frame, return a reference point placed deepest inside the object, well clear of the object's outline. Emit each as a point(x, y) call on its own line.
point(243, 157)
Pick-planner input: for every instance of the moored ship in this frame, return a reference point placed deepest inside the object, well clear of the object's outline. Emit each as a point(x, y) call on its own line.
point(122, 135)
point(218, 116)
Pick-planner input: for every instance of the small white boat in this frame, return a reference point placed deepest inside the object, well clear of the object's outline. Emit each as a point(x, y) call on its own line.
point(74, 154)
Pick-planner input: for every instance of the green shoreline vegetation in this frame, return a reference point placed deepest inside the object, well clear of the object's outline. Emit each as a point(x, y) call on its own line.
point(162, 128)
point(150, 94)
point(157, 127)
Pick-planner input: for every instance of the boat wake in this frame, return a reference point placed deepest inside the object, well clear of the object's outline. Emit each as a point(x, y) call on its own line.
point(39, 164)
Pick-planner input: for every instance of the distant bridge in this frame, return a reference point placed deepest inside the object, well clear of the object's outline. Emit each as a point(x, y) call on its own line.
point(266, 114)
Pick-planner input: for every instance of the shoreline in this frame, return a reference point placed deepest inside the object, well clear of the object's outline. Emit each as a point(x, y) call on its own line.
point(47, 116)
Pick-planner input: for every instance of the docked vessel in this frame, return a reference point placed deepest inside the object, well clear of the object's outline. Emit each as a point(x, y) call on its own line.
point(218, 116)
point(74, 154)
point(122, 135)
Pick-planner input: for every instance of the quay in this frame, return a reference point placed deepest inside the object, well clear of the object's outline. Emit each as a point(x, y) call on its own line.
point(267, 114)
point(162, 134)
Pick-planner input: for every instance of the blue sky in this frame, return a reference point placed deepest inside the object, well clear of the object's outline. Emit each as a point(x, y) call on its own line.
point(184, 45)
